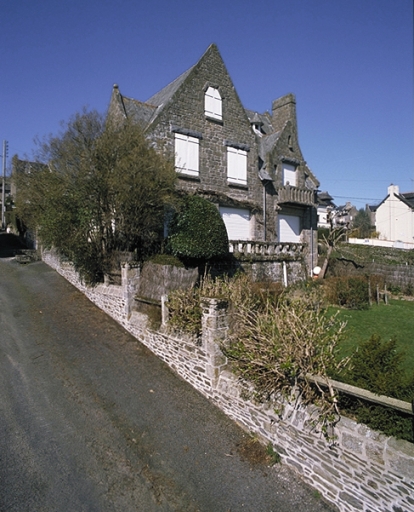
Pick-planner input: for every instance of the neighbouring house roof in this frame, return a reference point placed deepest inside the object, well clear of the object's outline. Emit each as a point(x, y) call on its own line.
point(325, 199)
point(407, 198)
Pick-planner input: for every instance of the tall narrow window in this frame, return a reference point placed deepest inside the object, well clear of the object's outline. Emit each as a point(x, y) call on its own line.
point(289, 175)
point(212, 103)
point(237, 166)
point(186, 154)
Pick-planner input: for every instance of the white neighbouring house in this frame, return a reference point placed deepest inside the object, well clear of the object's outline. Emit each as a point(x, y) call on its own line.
point(394, 218)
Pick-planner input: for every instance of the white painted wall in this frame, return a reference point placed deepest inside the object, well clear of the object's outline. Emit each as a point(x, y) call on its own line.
point(395, 219)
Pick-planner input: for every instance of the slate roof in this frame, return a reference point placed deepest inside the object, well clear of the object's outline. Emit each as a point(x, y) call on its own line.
point(263, 119)
point(267, 143)
point(325, 199)
point(405, 197)
point(141, 113)
point(144, 113)
point(409, 198)
point(162, 97)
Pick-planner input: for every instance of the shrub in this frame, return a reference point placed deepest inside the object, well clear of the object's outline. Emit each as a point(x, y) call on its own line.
point(377, 367)
point(276, 346)
point(185, 311)
point(184, 305)
point(197, 231)
point(166, 259)
point(349, 292)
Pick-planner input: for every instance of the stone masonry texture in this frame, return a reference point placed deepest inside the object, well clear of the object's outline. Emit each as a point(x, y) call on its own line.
point(362, 471)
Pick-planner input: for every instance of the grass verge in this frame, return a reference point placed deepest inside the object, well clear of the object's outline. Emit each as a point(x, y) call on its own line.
point(395, 320)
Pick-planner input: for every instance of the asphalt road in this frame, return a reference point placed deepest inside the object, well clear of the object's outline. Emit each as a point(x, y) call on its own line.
point(90, 420)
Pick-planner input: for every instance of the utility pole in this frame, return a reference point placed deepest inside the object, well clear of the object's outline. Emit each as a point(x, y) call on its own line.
point(3, 189)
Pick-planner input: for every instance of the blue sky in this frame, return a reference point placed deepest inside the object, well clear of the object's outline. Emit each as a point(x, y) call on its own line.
point(349, 63)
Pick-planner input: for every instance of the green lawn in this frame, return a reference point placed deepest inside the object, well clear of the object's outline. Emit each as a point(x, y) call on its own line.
point(393, 320)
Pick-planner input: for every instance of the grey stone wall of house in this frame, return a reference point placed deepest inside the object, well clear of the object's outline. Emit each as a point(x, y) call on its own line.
point(363, 471)
point(186, 111)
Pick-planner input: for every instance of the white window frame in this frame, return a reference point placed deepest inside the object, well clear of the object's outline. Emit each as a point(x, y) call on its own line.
point(236, 166)
point(186, 154)
point(289, 174)
point(213, 104)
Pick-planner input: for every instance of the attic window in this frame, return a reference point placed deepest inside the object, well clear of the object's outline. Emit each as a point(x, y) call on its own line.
point(212, 104)
point(289, 175)
point(257, 128)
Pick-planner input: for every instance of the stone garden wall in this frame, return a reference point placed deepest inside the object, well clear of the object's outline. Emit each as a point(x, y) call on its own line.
point(362, 471)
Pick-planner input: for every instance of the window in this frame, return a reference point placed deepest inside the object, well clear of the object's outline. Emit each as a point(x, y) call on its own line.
point(289, 228)
point(186, 154)
point(237, 222)
point(289, 175)
point(212, 103)
point(237, 166)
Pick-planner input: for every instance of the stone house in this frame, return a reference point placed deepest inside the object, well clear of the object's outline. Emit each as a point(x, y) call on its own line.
point(394, 217)
point(248, 164)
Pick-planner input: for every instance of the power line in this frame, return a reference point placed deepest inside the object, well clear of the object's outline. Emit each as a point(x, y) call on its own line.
point(358, 198)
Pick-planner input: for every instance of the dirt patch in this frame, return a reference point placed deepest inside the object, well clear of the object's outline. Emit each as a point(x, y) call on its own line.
point(253, 451)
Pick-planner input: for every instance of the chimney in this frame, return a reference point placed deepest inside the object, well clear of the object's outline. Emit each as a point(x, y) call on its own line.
point(284, 109)
point(393, 190)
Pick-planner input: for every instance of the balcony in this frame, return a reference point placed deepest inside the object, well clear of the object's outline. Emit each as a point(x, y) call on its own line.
point(288, 194)
point(249, 249)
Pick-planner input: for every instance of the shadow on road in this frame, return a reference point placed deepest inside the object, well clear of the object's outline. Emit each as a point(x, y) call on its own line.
point(10, 245)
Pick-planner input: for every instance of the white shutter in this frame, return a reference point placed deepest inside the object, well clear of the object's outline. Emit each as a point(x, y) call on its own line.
point(237, 165)
point(289, 175)
point(289, 228)
point(212, 103)
point(186, 154)
point(237, 222)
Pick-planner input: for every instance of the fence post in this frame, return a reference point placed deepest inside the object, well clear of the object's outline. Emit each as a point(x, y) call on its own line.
point(214, 325)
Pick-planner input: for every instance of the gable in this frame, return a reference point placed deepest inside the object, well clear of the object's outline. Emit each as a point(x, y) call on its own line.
point(402, 202)
point(182, 103)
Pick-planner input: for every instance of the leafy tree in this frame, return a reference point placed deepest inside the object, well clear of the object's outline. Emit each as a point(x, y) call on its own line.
point(103, 190)
point(197, 231)
point(362, 223)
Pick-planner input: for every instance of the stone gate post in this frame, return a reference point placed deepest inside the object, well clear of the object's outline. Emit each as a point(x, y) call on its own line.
point(130, 274)
point(215, 326)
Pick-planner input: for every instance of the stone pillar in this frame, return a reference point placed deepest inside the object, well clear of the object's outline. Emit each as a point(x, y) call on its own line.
point(130, 275)
point(214, 324)
point(164, 310)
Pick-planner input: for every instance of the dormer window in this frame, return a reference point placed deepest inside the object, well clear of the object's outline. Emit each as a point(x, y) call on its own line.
point(257, 128)
point(213, 104)
point(257, 124)
point(289, 176)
